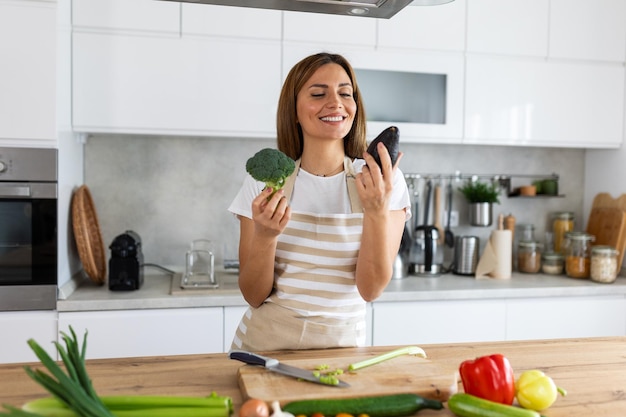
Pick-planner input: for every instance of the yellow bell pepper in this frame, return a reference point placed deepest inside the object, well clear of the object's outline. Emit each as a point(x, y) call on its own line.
point(535, 390)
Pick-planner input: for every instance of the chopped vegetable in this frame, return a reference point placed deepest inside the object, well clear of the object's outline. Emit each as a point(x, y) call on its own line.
point(254, 408)
point(409, 350)
point(272, 167)
point(377, 406)
point(489, 377)
point(536, 390)
point(390, 137)
point(466, 405)
point(74, 395)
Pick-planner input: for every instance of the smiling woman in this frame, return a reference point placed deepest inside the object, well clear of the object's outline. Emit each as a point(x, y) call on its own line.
point(314, 253)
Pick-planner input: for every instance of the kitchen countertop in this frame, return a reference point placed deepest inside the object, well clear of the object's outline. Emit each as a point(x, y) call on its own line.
point(155, 292)
point(593, 371)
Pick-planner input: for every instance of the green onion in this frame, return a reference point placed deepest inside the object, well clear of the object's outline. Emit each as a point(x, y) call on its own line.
point(73, 394)
point(409, 350)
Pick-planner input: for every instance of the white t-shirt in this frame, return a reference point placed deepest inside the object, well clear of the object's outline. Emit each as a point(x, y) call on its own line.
point(314, 194)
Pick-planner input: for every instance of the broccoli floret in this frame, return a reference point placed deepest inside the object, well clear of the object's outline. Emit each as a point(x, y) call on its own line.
point(272, 167)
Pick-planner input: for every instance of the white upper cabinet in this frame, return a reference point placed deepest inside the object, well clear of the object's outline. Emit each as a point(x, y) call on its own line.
point(228, 21)
point(124, 15)
point(425, 27)
point(539, 103)
point(329, 30)
point(510, 27)
point(137, 84)
point(588, 29)
point(28, 73)
point(136, 69)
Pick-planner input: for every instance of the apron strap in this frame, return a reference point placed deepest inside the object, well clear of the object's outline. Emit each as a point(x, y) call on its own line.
point(353, 195)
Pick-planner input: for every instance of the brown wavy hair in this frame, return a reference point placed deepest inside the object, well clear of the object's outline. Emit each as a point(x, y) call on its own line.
point(289, 133)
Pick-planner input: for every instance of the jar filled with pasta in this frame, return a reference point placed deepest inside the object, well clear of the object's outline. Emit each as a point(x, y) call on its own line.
point(603, 264)
point(578, 255)
point(562, 223)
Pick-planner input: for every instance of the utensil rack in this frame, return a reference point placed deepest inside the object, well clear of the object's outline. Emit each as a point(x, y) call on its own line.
point(503, 180)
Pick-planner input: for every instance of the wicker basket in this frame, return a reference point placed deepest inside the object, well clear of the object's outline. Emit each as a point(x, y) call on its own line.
point(88, 236)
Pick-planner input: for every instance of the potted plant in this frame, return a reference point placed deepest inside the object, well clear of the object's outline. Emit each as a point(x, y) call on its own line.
point(481, 196)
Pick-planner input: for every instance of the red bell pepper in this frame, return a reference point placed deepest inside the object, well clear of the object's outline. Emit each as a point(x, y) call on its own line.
point(489, 377)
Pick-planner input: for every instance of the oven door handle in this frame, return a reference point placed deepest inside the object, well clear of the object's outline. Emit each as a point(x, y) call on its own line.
point(15, 191)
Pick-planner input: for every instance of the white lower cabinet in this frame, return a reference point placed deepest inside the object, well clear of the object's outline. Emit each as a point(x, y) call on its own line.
point(19, 326)
point(132, 333)
point(424, 322)
point(232, 317)
point(553, 318)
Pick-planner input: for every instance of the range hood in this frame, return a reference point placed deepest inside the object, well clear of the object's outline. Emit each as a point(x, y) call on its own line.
point(366, 8)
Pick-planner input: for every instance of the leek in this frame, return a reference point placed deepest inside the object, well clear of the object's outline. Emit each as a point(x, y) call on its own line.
point(73, 394)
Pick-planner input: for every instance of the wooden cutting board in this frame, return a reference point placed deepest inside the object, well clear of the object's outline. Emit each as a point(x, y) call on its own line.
point(607, 222)
point(404, 374)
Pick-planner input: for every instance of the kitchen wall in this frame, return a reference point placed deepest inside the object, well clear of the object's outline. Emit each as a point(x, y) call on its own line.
point(172, 189)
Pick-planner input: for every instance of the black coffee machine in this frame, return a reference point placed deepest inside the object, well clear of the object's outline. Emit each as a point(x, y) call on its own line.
point(126, 263)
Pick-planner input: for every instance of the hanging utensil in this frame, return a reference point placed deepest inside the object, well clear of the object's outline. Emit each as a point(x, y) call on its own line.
point(449, 236)
point(429, 190)
point(437, 213)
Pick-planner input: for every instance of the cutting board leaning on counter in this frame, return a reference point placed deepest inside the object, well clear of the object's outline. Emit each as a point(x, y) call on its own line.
point(593, 371)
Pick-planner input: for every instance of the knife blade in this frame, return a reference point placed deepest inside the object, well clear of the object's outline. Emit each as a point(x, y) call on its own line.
point(274, 365)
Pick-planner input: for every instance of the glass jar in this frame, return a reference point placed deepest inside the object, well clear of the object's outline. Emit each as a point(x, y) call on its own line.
point(529, 256)
point(552, 263)
point(562, 223)
point(603, 264)
point(578, 256)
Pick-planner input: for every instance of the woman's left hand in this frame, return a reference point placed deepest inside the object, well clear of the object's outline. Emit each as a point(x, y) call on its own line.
point(374, 183)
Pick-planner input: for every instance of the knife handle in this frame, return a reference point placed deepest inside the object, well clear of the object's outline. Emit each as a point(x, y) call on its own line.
point(252, 358)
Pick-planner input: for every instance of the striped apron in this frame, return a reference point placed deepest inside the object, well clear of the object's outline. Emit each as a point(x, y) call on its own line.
point(314, 303)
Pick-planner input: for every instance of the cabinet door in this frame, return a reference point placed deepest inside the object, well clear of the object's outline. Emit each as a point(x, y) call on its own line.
point(234, 22)
point(403, 323)
point(329, 30)
point(425, 27)
point(17, 327)
point(385, 64)
point(232, 317)
point(183, 86)
point(538, 103)
point(510, 27)
point(554, 318)
point(28, 73)
point(127, 15)
point(133, 333)
point(588, 29)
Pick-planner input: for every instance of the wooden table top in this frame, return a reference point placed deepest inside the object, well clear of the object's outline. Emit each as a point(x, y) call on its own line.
point(593, 371)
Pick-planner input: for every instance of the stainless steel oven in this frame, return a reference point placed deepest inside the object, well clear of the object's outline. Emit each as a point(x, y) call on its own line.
point(28, 229)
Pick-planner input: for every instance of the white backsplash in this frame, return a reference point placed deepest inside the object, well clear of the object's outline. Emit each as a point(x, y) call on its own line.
point(171, 189)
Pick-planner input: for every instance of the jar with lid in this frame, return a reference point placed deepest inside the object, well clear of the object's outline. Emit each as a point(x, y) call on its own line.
point(522, 232)
point(552, 263)
point(603, 263)
point(562, 223)
point(578, 255)
point(529, 256)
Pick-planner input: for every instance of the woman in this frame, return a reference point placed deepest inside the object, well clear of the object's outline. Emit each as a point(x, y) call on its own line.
point(319, 249)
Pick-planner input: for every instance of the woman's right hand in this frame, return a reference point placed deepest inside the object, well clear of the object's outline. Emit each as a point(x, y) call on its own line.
point(270, 216)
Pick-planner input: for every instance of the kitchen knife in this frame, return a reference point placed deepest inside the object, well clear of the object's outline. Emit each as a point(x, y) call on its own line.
point(275, 366)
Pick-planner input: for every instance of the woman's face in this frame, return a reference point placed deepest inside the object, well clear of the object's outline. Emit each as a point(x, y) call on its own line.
point(325, 106)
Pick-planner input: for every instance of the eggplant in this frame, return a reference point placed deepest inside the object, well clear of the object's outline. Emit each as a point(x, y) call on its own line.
point(391, 138)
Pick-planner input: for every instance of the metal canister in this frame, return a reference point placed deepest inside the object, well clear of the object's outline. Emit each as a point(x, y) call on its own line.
point(466, 255)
